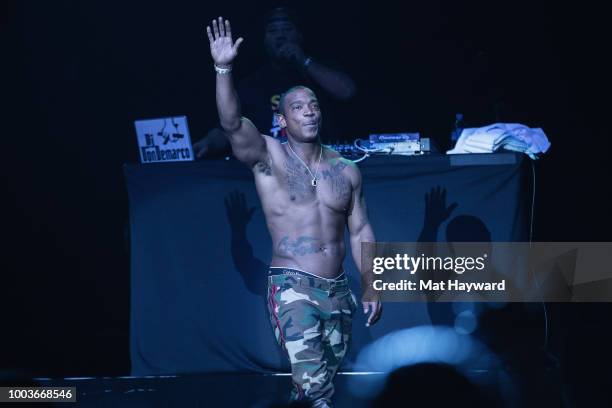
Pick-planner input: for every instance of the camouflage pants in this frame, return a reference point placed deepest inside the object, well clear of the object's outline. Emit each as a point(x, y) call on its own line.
point(311, 318)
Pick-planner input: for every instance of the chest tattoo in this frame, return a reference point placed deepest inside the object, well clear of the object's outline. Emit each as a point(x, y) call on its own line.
point(340, 185)
point(298, 180)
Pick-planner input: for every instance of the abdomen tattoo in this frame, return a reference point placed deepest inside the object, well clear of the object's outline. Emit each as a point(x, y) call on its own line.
point(302, 245)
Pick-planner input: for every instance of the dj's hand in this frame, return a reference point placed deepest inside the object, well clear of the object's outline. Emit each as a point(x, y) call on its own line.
point(292, 52)
point(222, 48)
point(201, 148)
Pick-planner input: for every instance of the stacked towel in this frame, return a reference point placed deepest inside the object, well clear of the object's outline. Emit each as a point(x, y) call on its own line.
point(509, 136)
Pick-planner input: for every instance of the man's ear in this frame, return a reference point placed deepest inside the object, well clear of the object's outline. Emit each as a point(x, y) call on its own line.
point(282, 122)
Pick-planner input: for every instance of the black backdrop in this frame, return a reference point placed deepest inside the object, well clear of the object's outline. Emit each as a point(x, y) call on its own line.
point(199, 264)
point(78, 73)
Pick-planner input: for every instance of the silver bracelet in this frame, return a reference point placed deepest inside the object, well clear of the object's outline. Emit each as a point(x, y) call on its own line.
point(307, 62)
point(223, 71)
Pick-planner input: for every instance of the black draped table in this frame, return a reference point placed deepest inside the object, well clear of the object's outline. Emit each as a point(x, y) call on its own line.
point(198, 259)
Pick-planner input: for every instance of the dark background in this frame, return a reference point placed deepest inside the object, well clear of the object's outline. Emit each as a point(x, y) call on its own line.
point(77, 74)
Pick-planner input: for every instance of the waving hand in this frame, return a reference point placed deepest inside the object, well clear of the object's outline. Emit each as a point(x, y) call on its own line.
point(222, 48)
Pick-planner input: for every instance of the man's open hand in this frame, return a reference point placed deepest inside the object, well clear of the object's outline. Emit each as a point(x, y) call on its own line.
point(436, 211)
point(222, 48)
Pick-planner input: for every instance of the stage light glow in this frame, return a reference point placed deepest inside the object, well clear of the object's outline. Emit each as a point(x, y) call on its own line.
point(423, 344)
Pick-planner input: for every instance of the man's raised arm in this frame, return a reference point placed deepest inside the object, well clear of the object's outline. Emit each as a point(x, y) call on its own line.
point(247, 143)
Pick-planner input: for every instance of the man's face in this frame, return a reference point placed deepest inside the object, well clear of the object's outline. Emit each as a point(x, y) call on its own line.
point(278, 33)
point(302, 115)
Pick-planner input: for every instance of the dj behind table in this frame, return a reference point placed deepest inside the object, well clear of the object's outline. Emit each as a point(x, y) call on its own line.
point(200, 250)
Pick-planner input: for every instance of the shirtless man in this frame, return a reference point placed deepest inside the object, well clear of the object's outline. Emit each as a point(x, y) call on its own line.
point(308, 194)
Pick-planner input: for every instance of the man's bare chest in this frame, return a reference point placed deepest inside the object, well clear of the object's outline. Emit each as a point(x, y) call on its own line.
point(295, 185)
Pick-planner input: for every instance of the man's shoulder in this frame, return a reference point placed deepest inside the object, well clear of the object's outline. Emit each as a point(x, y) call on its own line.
point(336, 157)
point(272, 142)
point(263, 166)
point(343, 164)
point(276, 151)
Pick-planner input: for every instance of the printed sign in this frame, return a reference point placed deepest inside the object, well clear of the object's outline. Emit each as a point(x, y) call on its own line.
point(164, 140)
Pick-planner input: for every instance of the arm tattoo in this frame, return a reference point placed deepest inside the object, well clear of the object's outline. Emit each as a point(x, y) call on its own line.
point(339, 184)
point(301, 246)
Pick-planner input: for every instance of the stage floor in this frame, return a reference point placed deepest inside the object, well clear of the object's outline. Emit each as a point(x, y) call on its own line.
point(221, 390)
point(353, 390)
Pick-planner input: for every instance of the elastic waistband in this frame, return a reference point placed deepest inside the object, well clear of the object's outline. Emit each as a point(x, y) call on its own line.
point(308, 281)
point(281, 270)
